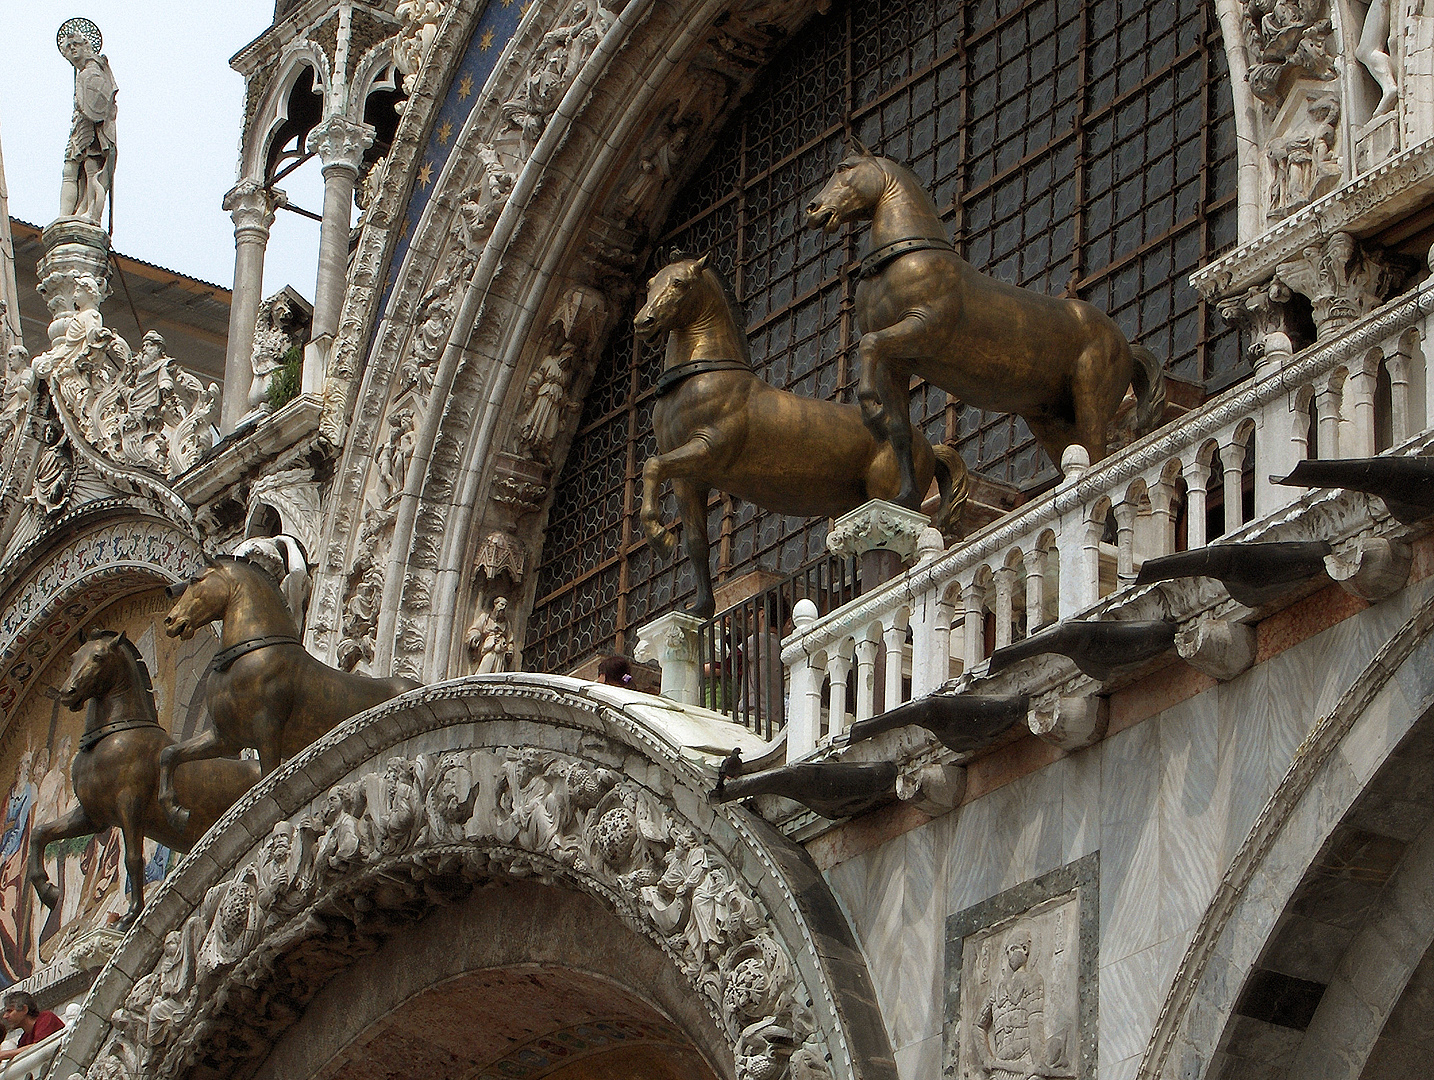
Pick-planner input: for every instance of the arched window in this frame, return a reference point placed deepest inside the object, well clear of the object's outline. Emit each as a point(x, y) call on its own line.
point(1078, 147)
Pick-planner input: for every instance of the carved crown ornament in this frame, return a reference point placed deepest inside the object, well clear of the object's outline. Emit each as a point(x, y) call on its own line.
point(378, 850)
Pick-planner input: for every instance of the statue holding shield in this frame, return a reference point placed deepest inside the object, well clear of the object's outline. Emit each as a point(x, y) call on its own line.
point(90, 152)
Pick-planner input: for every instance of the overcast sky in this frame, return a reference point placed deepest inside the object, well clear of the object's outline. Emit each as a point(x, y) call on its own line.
point(180, 107)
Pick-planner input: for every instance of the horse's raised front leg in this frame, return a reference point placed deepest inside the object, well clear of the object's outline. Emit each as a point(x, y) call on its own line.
point(75, 823)
point(692, 503)
point(884, 391)
point(685, 461)
point(131, 814)
point(207, 745)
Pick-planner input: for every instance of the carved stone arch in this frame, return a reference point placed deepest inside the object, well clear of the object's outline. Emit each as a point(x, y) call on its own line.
point(1335, 763)
point(91, 558)
point(418, 803)
point(369, 75)
point(554, 234)
point(273, 111)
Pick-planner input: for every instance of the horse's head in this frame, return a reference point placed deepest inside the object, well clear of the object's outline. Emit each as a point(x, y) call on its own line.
point(199, 600)
point(673, 298)
point(851, 194)
point(95, 668)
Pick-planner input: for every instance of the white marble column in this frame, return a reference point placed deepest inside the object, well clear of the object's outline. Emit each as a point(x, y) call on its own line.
point(1196, 476)
point(340, 145)
point(1035, 561)
point(252, 208)
point(1232, 462)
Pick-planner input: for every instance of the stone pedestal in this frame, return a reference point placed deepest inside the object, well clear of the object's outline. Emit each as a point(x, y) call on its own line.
point(672, 642)
point(72, 247)
point(882, 534)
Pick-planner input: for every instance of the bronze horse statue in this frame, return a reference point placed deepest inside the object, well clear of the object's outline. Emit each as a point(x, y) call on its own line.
point(1061, 365)
point(116, 771)
point(718, 424)
point(265, 689)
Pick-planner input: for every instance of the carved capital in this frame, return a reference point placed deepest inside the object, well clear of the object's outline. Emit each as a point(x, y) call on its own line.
point(1260, 311)
point(340, 143)
point(1342, 281)
point(877, 525)
point(251, 206)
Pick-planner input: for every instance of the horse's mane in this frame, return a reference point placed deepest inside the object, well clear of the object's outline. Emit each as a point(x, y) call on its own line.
point(737, 309)
point(143, 681)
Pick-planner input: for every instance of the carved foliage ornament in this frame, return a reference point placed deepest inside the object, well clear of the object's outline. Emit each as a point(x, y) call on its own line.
point(1287, 39)
point(398, 837)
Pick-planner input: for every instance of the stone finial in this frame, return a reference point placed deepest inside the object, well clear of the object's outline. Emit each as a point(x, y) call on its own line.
point(1075, 461)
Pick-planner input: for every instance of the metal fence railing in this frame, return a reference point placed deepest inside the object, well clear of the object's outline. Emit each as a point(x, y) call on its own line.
point(740, 649)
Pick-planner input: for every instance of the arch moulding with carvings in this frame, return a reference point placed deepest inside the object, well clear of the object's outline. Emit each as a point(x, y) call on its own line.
point(452, 787)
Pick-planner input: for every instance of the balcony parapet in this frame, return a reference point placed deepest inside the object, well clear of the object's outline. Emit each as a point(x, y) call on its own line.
point(1048, 559)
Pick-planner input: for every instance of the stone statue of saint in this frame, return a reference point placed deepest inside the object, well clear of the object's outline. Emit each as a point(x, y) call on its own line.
point(490, 638)
point(90, 153)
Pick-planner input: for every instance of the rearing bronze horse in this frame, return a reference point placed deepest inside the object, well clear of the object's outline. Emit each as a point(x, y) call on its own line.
point(1062, 365)
point(116, 771)
point(265, 689)
point(718, 424)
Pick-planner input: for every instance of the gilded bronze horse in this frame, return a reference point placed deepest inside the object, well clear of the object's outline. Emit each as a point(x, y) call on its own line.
point(265, 689)
point(116, 771)
point(1062, 365)
point(718, 424)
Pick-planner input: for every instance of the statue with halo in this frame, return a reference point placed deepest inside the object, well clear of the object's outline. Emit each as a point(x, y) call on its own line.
point(90, 151)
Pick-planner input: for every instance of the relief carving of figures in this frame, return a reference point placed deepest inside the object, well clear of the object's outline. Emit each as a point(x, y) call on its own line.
point(394, 456)
point(545, 404)
point(435, 315)
point(19, 391)
point(556, 809)
point(365, 590)
point(90, 152)
point(562, 52)
point(1011, 1030)
point(481, 204)
point(1303, 161)
point(1287, 39)
point(282, 324)
point(490, 638)
point(55, 473)
point(420, 27)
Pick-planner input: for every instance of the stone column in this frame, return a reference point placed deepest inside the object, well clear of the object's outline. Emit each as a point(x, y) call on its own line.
point(973, 626)
point(1005, 591)
point(252, 207)
point(1035, 561)
point(1196, 476)
point(1125, 514)
point(340, 145)
point(1232, 462)
point(893, 636)
point(838, 671)
point(866, 649)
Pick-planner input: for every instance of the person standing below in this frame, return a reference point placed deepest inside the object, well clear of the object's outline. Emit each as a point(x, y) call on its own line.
point(18, 1010)
point(614, 671)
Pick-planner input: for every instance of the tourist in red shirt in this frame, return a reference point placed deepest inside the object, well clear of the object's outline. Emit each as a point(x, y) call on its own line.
point(18, 1010)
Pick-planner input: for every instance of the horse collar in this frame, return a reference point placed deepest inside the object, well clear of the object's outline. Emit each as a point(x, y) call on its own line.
point(668, 380)
point(224, 659)
point(90, 738)
point(875, 261)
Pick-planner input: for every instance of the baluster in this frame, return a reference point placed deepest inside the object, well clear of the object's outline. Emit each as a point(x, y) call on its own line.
point(893, 633)
point(1005, 587)
point(1035, 561)
point(1125, 512)
point(838, 669)
point(867, 644)
point(974, 632)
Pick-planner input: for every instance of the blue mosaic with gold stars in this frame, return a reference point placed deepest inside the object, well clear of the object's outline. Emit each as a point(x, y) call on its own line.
point(495, 27)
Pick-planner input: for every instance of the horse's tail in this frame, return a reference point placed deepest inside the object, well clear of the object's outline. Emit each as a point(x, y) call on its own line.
point(953, 480)
point(1149, 383)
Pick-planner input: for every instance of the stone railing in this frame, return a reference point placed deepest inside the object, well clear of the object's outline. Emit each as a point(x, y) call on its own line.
point(1061, 555)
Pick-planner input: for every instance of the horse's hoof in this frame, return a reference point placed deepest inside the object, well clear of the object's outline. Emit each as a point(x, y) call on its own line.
point(178, 819)
point(127, 920)
point(49, 894)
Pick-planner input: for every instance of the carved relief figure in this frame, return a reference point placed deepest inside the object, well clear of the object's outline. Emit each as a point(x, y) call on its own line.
point(394, 456)
point(279, 326)
point(55, 473)
point(562, 52)
point(1286, 38)
point(1011, 1028)
point(1373, 52)
point(1303, 162)
point(435, 315)
point(19, 389)
point(90, 152)
point(543, 400)
point(490, 638)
